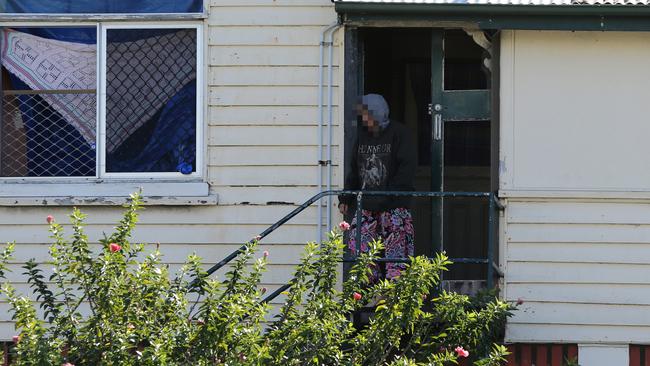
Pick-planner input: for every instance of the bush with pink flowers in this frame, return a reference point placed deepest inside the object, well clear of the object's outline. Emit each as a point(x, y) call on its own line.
point(121, 306)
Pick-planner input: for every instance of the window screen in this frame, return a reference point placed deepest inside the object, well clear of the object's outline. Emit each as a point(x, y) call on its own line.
point(48, 123)
point(151, 100)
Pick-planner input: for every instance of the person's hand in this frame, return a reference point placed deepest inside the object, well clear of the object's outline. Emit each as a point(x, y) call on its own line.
point(343, 208)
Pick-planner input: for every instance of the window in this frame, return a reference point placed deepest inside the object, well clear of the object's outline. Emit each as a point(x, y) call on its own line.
point(144, 122)
point(149, 98)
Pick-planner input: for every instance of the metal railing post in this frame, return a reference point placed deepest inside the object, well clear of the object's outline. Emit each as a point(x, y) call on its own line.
point(358, 216)
point(490, 254)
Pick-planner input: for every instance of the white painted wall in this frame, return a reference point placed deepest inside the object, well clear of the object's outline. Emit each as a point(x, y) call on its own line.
point(581, 267)
point(603, 355)
point(576, 232)
point(575, 111)
point(262, 147)
point(263, 85)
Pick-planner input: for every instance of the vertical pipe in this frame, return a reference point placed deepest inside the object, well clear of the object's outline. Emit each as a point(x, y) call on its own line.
point(330, 78)
point(490, 256)
point(321, 120)
point(319, 224)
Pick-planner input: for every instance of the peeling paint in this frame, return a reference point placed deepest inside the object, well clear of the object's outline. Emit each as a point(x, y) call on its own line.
point(108, 201)
point(274, 203)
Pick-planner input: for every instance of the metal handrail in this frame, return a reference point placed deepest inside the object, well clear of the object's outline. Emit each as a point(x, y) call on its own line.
point(492, 202)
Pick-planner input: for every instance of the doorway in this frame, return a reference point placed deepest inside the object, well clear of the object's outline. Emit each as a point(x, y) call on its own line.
point(437, 83)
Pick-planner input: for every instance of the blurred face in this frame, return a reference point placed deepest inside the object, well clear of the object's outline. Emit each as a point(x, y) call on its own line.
point(366, 117)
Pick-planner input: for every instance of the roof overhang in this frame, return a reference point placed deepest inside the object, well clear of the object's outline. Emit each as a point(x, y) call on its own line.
point(497, 16)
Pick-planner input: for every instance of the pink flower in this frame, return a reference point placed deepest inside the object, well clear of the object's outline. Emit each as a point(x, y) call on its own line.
point(49, 219)
point(357, 296)
point(265, 254)
point(460, 351)
point(344, 226)
point(67, 364)
point(15, 338)
point(263, 290)
point(258, 238)
point(520, 301)
point(114, 247)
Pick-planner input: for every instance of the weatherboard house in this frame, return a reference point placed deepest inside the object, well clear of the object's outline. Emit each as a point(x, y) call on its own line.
point(229, 114)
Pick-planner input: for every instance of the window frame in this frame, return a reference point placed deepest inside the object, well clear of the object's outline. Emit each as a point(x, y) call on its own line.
point(101, 100)
point(128, 21)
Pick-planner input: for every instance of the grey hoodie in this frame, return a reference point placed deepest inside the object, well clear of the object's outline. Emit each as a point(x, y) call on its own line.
point(378, 108)
point(381, 162)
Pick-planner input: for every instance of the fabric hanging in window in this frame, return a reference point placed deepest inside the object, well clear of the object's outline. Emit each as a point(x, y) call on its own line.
point(143, 73)
point(157, 134)
point(48, 64)
point(56, 130)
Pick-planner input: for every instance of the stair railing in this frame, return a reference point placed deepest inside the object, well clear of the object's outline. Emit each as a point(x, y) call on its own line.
point(493, 204)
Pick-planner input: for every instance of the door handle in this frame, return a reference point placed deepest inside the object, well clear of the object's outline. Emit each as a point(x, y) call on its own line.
point(437, 127)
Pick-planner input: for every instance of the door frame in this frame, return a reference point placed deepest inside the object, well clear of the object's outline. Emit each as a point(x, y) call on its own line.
point(353, 86)
point(449, 106)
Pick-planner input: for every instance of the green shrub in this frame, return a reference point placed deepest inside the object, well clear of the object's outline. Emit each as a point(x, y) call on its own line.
point(122, 307)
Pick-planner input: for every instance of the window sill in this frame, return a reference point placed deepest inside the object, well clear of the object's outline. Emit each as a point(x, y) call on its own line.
point(105, 194)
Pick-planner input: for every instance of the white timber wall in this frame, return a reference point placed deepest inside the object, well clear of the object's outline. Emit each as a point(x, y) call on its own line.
point(263, 121)
point(575, 240)
point(262, 127)
point(263, 99)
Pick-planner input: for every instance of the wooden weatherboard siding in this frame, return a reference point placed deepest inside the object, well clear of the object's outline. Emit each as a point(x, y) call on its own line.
point(263, 58)
point(262, 118)
point(574, 110)
point(581, 268)
point(263, 75)
point(263, 100)
point(575, 239)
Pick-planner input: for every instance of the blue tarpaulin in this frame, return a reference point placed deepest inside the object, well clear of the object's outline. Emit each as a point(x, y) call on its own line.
point(171, 146)
point(100, 6)
point(48, 137)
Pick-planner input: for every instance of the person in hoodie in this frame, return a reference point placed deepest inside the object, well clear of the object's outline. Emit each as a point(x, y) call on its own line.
point(384, 159)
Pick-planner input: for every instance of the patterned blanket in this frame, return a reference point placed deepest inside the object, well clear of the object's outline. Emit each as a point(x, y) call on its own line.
point(46, 64)
point(140, 78)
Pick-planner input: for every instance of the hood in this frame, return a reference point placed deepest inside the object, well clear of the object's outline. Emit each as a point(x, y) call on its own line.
point(378, 108)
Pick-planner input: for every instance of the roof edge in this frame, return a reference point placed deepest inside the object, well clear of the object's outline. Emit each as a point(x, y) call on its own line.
point(496, 16)
point(492, 9)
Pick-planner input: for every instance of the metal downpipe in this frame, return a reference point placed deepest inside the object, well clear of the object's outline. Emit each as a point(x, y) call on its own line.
point(321, 120)
point(330, 76)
